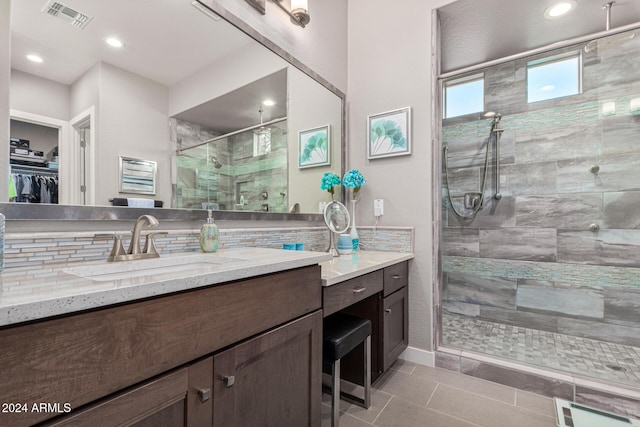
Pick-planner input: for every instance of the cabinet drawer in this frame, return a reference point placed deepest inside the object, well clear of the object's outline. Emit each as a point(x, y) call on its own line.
point(395, 277)
point(341, 295)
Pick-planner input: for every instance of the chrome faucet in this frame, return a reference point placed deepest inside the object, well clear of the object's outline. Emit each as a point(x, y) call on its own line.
point(118, 253)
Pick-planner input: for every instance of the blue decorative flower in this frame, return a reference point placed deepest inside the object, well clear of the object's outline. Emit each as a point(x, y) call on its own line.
point(329, 180)
point(353, 179)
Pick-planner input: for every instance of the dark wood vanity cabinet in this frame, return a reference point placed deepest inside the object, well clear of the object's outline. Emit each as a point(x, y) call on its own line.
point(395, 317)
point(271, 380)
point(180, 398)
point(229, 354)
point(382, 297)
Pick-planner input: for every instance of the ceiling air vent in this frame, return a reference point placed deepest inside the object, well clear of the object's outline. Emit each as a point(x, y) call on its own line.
point(61, 11)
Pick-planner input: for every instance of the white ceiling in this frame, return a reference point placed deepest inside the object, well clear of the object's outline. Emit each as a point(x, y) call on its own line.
point(476, 31)
point(165, 41)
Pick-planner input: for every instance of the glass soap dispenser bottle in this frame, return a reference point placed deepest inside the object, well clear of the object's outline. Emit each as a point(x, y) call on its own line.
point(209, 234)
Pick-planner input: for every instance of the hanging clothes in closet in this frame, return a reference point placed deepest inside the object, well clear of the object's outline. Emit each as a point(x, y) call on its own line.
point(35, 188)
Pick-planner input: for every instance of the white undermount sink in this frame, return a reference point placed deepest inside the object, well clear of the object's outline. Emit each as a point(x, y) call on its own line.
point(150, 267)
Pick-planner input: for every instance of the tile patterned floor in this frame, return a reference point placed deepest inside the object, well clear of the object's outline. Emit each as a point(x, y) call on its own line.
point(582, 356)
point(413, 395)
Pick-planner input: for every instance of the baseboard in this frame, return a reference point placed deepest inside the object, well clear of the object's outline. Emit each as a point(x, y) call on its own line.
point(419, 356)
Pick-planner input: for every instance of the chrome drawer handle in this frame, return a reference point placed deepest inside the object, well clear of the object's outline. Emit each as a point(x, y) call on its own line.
point(387, 310)
point(396, 276)
point(359, 290)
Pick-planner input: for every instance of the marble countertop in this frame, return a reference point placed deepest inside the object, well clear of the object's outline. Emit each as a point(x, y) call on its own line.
point(347, 267)
point(32, 294)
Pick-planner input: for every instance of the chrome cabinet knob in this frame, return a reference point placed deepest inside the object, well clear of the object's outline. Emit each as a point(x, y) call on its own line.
point(228, 380)
point(204, 394)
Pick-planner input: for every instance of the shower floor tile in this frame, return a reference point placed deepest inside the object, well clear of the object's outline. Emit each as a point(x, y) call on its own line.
point(582, 356)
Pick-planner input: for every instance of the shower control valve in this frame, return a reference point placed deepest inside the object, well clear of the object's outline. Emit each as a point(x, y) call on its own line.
point(594, 169)
point(594, 227)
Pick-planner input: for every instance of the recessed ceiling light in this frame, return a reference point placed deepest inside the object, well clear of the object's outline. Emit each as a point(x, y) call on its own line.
point(268, 103)
point(114, 42)
point(34, 58)
point(559, 9)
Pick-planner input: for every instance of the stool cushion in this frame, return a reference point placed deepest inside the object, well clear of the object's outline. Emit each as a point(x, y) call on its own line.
point(342, 333)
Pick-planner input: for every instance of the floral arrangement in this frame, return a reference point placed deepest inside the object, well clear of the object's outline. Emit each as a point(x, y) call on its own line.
point(353, 179)
point(329, 180)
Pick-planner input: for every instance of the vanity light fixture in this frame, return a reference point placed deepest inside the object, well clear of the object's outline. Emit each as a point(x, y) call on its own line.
point(299, 13)
point(559, 9)
point(268, 103)
point(114, 42)
point(34, 58)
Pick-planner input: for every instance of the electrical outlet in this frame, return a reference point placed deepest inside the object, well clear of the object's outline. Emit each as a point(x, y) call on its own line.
point(378, 207)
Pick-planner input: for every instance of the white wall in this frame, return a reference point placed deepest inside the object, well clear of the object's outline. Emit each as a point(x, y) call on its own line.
point(5, 76)
point(39, 96)
point(321, 45)
point(311, 106)
point(247, 65)
point(390, 67)
point(133, 123)
point(85, 92)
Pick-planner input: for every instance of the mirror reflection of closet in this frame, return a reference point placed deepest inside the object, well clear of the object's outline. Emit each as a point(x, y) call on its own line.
point(42, 152)
point(33, 160)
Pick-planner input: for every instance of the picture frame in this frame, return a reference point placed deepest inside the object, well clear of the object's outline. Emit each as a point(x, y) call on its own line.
point(389, 134)
point(137, 176)
point(314, 147)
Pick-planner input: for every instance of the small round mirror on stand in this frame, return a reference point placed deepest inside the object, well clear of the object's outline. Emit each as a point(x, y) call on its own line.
point(337, 218)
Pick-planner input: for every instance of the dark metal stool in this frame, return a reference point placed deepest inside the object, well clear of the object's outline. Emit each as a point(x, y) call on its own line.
point(342, 333)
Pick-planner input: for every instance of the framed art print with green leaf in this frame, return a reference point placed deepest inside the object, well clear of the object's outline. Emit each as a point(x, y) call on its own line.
point(314, 147)
point(389, 134)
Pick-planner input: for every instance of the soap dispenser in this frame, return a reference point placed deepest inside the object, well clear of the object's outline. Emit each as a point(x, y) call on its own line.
point(209, 234)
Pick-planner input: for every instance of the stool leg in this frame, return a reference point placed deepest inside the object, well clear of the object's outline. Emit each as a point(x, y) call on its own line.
point(367, 372)
point(335, 394)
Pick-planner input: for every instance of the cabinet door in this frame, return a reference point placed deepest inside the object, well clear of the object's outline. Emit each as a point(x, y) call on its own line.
point(173, 400)
point(273, 379)
point(396, 326)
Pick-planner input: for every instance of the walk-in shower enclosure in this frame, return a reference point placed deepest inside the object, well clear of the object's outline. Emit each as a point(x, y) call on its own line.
point(549, 275)
point(242, 171)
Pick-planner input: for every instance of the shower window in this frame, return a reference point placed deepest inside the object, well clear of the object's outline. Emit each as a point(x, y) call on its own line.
point(554, 77)
point(464, 96)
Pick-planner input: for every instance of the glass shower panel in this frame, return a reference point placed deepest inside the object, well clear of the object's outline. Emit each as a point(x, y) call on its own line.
point(227, 174)
point(549, 275)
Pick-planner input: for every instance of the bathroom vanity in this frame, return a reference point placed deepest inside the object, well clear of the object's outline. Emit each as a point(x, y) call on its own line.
point(231, 338)
point(373, 285)
point(230, 343)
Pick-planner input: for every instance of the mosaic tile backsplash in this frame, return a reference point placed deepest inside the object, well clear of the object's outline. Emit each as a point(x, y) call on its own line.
point(34, 249)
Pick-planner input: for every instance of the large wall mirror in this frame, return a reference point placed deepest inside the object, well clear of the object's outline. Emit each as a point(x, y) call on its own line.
point(230, 124)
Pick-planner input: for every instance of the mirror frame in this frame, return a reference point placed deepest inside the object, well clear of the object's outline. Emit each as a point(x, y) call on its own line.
point(51, 212)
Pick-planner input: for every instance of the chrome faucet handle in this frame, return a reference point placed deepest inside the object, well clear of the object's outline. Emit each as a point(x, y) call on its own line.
point(117, 249)
point(150, 243)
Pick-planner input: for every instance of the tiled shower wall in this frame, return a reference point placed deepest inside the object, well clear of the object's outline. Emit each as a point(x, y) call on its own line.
point(530, 258)
point(240, 174)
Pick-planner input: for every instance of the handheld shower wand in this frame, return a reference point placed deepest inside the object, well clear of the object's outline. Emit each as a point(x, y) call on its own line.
point(496, 131)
